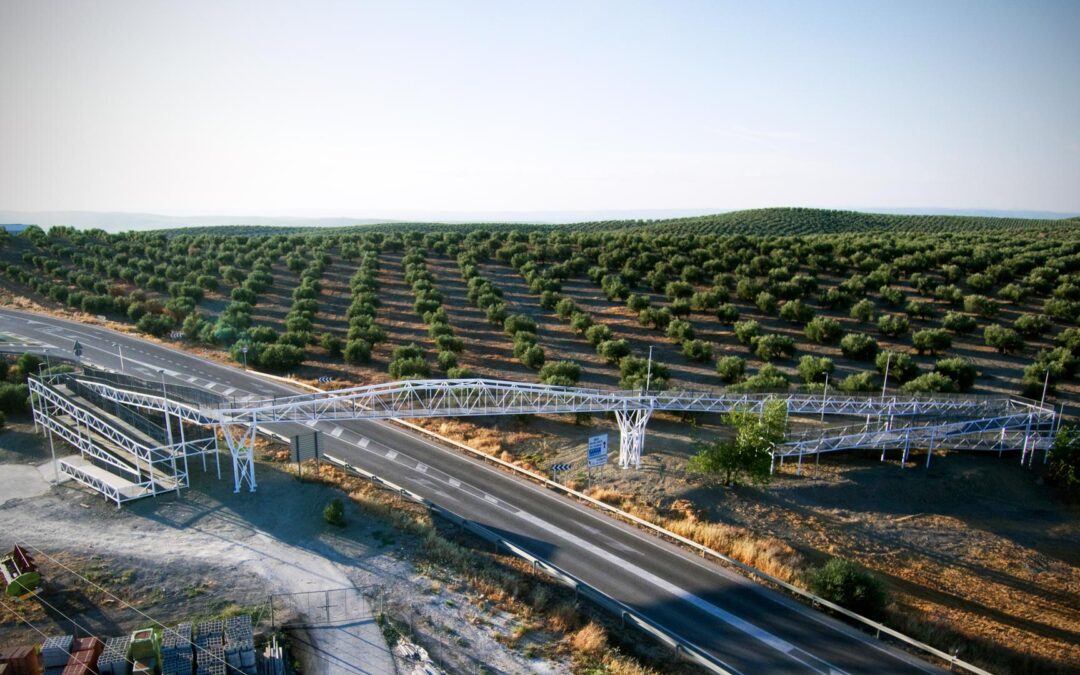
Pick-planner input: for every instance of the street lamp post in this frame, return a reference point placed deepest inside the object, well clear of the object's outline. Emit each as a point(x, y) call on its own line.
point(120, 348)
point(648, 372)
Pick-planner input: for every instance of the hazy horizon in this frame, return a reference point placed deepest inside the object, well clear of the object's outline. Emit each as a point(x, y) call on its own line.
point(360, 109)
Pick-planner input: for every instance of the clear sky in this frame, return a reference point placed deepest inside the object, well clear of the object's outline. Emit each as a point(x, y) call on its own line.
point(361, 108)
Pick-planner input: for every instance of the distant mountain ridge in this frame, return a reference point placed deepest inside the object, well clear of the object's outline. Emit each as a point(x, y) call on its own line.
point(769, 221)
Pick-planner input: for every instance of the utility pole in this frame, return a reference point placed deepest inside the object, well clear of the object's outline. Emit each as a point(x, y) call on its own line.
point(824, 397)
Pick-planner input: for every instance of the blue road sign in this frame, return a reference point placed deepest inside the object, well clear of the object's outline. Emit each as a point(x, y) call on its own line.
point(598, 450)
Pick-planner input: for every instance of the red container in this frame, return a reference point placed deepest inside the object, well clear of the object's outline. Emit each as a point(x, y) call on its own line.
point(76, 669)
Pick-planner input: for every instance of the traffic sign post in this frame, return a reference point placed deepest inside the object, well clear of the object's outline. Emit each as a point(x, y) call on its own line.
point(556, 469)
point(77, 349)
point(305, 446)
point(597, 453)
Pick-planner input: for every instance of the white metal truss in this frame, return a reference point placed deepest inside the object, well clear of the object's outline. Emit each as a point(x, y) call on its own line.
point(631, 436)
point(136, 469)
point(956, 416)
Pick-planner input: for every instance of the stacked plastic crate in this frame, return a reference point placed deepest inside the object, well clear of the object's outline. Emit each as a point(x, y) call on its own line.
point(114, 658)
point(55, 653)
point(177, 657)
point(240, 644)
point(211, 653)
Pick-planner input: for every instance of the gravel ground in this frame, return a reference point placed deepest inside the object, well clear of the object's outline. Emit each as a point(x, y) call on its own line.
point(177, 557)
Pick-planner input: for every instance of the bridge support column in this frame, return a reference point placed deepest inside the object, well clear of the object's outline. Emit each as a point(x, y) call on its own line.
point(243, 455)
point(631, 436)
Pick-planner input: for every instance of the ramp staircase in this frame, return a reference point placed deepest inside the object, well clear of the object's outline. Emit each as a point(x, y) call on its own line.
point(121, 454)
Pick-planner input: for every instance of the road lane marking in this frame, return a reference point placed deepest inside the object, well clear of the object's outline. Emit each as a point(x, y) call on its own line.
point(422, 468)
point(337, 431)
point(454, 482)
point(390, 454)
point(229, 391)
point(489, 498)
point(750, 629)
point(363, 442)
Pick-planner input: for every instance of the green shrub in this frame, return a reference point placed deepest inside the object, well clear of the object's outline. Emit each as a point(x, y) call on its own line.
point(858, 383)
point(727, 313)
point(597, 333)
point(848, 585)
point(931, 340)
point(773, 347)
point(1032, 325)
point(533, 357)
point(334, 513)
point(331, 343)
point(697, 350)
point(357, 351)
point(766, 302)
point(409, 368)
point(680, 331)
point(815, 368)
point(560, 373)
point(859, 346)
point(280, 356)
point(613, 350)
point(634, 371)
point(931, 383)
point(518, 322)
point(796, 311)
point(1005, 340)
point(767, 378)
point(823, 330)
point(730, 368)
point(446, 360)
point(747, 331)
point(960, 370)
point(959, 323)
point(981, 305)
point(893, 325)
point(901, 367)
point(14, 398)
point(3, 420)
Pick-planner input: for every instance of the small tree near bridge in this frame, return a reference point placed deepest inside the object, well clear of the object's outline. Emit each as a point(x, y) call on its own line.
point(748, 455)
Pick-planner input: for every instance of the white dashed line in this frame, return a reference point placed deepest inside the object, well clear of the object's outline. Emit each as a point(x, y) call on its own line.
point(422, 468)
point(491, 499)
point(337, 431)
point(363, 443)
point(390, 454)
point(454, 482)
point(229, 391)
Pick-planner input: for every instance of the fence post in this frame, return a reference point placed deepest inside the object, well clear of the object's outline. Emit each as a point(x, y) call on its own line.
point(273, 625)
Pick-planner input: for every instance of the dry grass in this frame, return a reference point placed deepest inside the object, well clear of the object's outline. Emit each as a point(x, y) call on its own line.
point(589, 641)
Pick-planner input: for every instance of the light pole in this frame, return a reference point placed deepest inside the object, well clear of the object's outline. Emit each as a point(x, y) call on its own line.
point(888, 362)
point(120, 348)
point(648, 372)
point(165, 406)
point(1046, 385)
point(824, 397)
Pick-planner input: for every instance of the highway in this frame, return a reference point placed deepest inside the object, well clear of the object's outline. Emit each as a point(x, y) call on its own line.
point(751, 629)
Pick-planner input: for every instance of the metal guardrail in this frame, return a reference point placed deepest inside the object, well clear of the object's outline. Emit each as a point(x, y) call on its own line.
point(814, 600)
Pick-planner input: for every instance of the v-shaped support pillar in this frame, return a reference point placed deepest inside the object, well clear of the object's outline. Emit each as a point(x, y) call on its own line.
point(631, 436)
point(242, 449)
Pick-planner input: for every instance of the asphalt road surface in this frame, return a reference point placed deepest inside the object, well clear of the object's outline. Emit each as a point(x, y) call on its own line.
point(749, 628)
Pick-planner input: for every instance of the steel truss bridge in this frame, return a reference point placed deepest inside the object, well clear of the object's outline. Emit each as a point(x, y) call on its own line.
point(886, 422)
